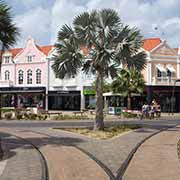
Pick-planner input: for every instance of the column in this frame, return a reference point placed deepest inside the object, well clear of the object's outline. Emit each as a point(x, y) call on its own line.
point(82, 100)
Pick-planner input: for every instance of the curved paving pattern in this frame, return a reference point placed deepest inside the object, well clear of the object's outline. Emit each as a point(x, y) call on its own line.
point(157, 158)
point(74, 157)
point(21, 160)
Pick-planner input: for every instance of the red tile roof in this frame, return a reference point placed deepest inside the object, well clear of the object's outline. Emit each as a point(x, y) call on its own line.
point(151, 43)
point(15, 51)
point(45, 49)
point(176, 49)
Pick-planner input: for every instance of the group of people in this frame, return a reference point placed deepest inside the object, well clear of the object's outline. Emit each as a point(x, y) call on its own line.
point(151, 111)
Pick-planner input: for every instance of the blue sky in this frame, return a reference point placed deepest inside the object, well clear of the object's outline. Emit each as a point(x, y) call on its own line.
point(42, 19)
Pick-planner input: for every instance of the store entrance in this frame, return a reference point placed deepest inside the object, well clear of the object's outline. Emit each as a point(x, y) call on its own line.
point(71, 103)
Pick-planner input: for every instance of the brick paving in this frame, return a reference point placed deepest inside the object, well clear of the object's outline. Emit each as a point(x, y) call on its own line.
point(75, 157)
point(21, 161)
point(111, 154)
point(157, 158)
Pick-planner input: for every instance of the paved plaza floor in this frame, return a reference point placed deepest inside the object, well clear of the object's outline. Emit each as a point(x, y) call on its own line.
point(41, 153)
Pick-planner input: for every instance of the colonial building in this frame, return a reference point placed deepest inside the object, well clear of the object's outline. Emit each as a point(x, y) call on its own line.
point(160, 74)
point(27, 79)
point(24, 76)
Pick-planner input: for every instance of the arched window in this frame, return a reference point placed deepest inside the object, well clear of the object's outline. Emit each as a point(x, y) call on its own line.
point(20, 76)
point(7, 75)
point(38, 76)
point(29, 77)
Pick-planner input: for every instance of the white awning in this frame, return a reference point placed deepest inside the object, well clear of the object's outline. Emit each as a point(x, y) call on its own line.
point(171, 68)
point(161, 68)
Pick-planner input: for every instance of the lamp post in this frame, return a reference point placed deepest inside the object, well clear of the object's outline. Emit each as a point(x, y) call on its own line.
point(173, 97)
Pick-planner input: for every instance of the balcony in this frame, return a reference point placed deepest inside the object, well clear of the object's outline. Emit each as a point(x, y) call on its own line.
point(7, 83)
point(163, 80)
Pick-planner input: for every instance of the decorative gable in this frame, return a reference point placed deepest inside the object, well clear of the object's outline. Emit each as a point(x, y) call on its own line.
point(164, 50)
point(30, 51)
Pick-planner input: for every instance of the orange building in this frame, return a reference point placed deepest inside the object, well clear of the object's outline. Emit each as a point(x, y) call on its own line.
point(160, 74)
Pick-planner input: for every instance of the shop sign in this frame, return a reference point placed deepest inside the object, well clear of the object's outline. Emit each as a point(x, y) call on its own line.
point(89, 92)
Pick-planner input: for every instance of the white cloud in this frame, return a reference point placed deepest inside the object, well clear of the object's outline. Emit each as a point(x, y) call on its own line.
point(44, 23)
point(35, 23)
point(63, 12)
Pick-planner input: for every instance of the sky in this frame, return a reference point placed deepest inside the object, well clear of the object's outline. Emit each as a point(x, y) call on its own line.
point(41, 19)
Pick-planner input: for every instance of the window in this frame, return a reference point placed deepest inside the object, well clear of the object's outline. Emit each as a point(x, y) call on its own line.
point(20, 77)
point(169, 73)
point(38, 76)
point(7, 75)
point(159, 74)
point(7, 59)
point(29, 58)
point(29, 77)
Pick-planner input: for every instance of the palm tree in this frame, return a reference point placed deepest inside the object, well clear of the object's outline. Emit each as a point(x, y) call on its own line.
point(8, 36)
point(129, 81)
point(108, 41)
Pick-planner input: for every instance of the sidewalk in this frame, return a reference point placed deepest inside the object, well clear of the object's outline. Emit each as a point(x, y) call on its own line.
point(157, 158)
point(21, 161)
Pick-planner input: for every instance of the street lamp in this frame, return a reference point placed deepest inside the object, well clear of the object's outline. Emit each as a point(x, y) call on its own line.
point(173, 98)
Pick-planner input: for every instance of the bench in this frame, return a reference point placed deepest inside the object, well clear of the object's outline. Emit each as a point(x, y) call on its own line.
point(78, 112)
point(50, 113)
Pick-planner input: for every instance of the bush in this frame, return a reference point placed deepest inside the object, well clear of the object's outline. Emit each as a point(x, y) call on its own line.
point(8, 115)
point(41, 117)
point(129, 115)
point(30, 116)
point(19, 116)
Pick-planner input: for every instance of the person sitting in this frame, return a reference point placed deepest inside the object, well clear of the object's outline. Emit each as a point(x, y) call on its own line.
point(145, 109)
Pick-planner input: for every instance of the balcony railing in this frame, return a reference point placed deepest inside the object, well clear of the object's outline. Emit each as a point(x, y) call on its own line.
point(7, 83)
point(163, 80)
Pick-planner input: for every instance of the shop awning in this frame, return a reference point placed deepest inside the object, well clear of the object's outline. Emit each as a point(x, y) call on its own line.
point(171, 68)
point(161, 68)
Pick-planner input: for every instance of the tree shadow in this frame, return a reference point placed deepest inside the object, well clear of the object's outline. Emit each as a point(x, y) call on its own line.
point(11, 143)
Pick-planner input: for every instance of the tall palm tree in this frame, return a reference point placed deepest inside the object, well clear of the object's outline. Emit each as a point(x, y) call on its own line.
point(8, 36)
point(110, 44)
point(129, 81)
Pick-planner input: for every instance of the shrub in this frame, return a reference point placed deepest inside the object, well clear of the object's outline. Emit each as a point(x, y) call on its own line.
point(19, 116)
point(41, 117)
point(129, 115)
point(30, 116)
point(8, 115)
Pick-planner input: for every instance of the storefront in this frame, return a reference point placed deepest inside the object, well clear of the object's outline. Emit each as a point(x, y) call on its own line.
point(64, 100)
point(164, 96)
point(90, 99)
point(23, 97)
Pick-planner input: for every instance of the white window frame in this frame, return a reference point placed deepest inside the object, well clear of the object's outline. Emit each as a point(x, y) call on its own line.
point(20, 75)
point(38, 76)
point(6, 75)
point(7, 59)
point(29, 76)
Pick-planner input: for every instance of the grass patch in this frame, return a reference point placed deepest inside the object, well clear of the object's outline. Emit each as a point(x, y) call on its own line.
point(108, 133)
point(178, 149)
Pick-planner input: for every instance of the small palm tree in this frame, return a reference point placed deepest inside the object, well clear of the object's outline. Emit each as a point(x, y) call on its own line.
point(129, 81)
point(110, 44)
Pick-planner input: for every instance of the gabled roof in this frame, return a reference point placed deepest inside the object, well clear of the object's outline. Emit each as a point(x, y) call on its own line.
point(151, 43)
point(15, 51)
point(45, 49)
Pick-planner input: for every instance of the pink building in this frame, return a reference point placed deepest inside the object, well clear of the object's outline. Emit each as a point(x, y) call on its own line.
point(24, 75)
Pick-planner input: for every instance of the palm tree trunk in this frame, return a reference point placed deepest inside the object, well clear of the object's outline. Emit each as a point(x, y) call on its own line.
point(1, 55)
point(99, 119)
point(129, 101)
